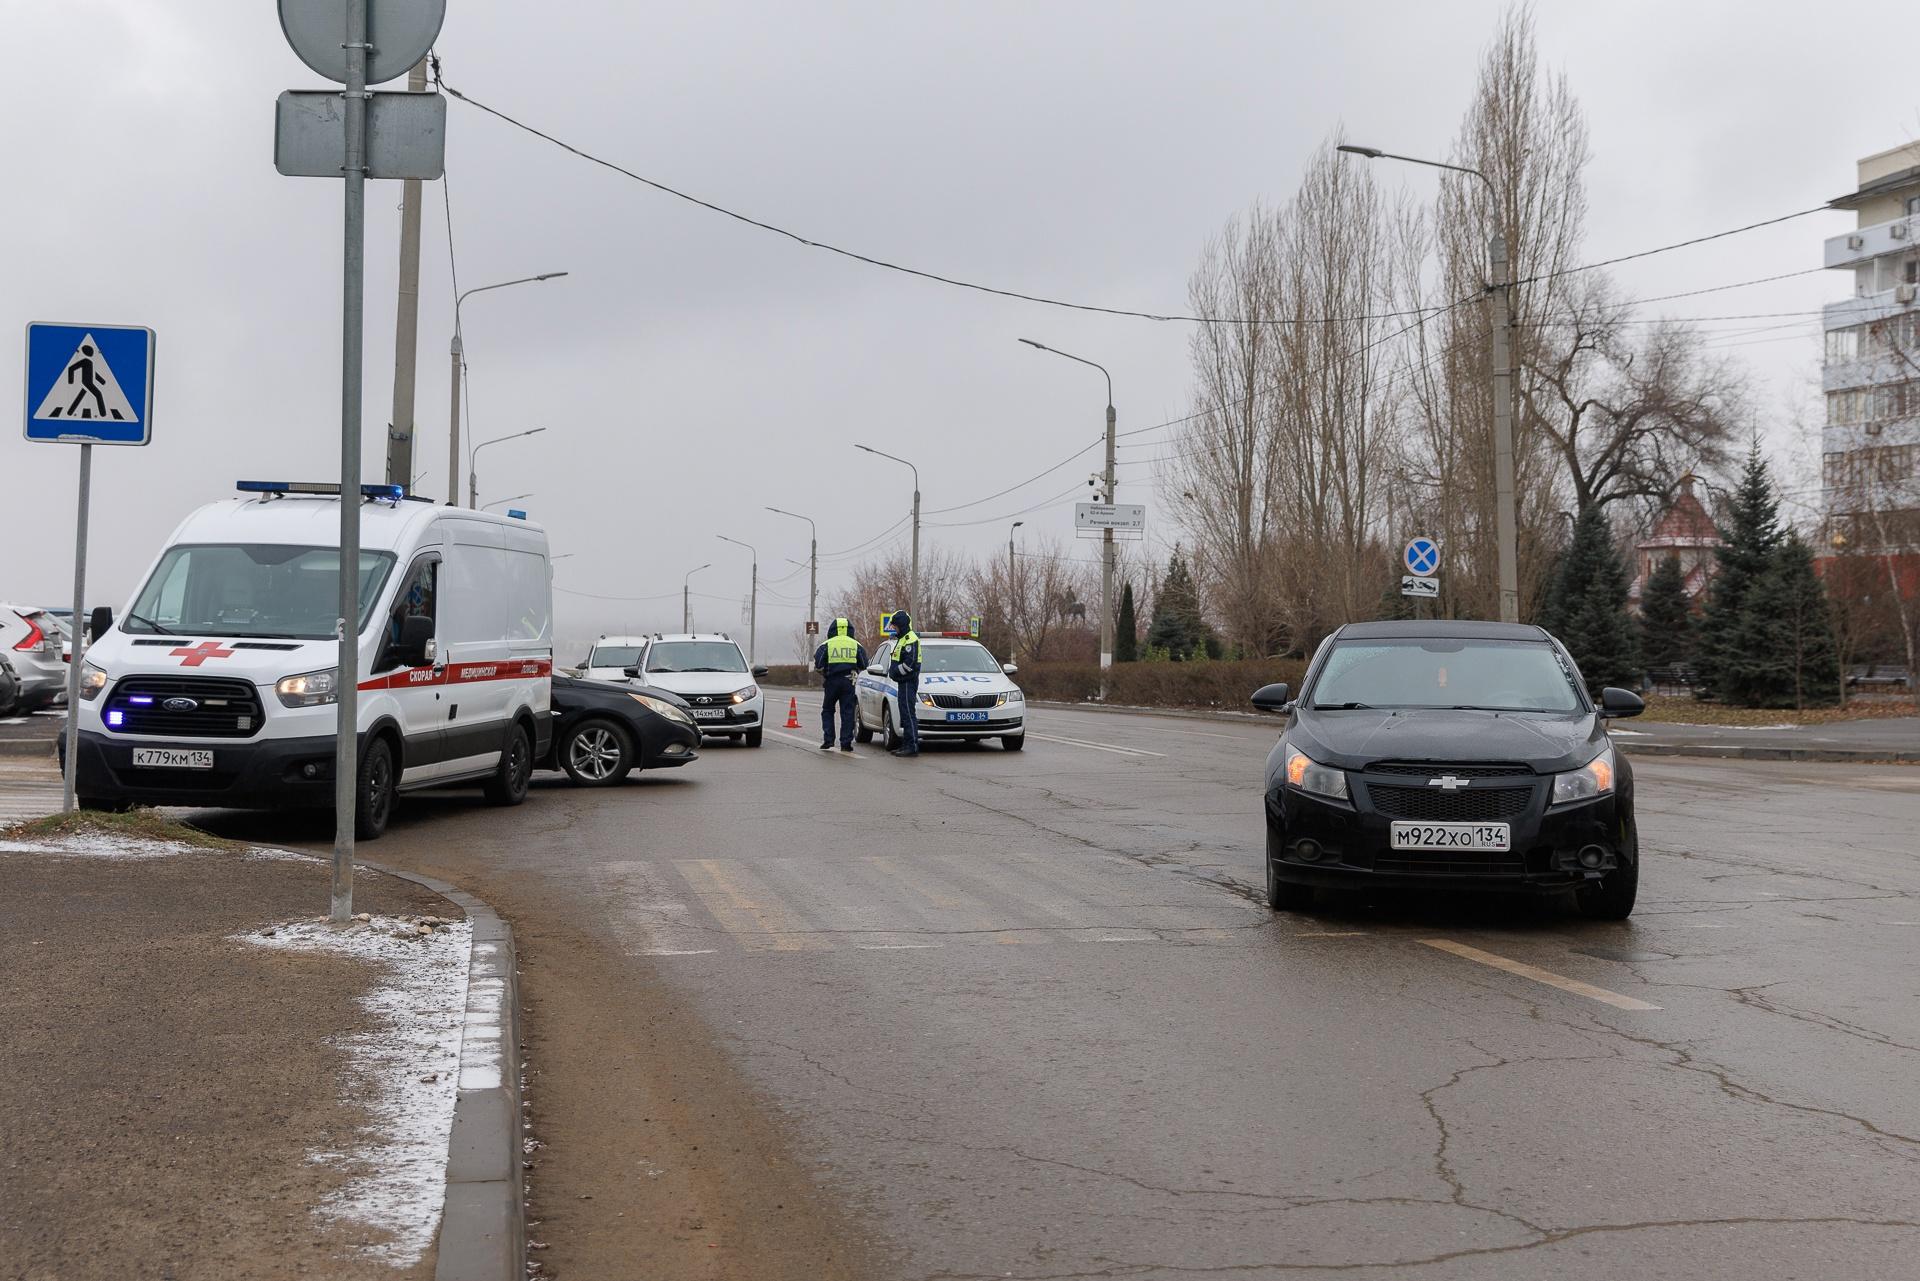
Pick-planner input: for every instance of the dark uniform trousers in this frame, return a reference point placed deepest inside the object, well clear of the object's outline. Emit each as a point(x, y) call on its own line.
point(839, 693)
point(909, 689)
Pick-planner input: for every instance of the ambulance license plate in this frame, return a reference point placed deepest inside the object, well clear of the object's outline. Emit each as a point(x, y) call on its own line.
point(966, 716)
point(172, 758)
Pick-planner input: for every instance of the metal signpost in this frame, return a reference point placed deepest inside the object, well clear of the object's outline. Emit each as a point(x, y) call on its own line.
point(1421, 560)
point(357, 43)
point(86, 385)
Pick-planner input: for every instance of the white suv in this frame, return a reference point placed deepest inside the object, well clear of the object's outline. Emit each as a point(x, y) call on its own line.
point(706, 669)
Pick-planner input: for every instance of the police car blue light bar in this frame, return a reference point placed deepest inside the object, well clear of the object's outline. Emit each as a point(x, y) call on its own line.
point(393, 492)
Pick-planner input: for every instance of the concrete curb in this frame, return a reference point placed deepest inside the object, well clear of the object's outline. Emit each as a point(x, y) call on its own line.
point(27, 747)
point(483, 1224)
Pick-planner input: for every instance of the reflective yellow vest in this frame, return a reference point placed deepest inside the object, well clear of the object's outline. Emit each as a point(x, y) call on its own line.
point(842, 648)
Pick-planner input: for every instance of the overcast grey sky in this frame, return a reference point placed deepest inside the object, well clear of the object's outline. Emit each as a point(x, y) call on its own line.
point(690, 370)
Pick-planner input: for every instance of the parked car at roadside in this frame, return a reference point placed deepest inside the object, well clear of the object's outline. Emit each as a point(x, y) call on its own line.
point(9, 686)
point(602, 731)
point(33, 641)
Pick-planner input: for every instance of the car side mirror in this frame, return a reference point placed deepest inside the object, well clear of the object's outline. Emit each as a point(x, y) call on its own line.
point(631, 673)
point(416, 647)
point(761, 671)
point(1620, 702)
point(1009, 668)
point(1273, 698)
point(99, 622)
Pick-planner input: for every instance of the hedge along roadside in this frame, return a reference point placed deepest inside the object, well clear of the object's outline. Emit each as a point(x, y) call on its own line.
point(1201, 683)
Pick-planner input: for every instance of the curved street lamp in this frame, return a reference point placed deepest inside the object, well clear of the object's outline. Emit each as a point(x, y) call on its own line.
point(473, 476)
point(458, 351)
point(1107, 549)
point(753, 605)
point(913, 573)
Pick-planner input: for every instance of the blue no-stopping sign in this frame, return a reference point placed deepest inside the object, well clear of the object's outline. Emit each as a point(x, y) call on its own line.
point(1422, 555)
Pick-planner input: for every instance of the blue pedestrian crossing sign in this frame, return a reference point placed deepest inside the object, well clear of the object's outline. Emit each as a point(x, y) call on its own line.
point(89, 384)
point(1422, 555)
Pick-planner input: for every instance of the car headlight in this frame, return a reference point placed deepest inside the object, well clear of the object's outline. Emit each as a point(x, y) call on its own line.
point(742, 695)
point(926, 700)
point(309, 689)
point(1012, 696)
point(1310, 775)
point(92, 681)
point(661, 707)
point(1595, 778)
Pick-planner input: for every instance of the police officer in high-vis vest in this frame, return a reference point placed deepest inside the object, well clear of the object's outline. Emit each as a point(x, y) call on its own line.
point(905, 670)
point(840, 658)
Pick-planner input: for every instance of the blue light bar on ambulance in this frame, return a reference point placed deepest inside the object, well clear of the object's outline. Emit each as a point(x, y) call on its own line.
point(514, 513)
point(392, 492)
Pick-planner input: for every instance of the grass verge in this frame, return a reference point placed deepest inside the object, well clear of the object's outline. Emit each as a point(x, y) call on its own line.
point(1688, 711)
point(139, 824)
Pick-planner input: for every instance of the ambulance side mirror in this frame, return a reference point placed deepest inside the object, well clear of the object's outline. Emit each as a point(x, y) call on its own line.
point(99, 622)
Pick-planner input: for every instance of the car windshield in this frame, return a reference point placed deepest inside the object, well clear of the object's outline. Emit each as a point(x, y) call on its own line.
point(1495, 675)
point(251, 589)
point(695, 656)
point(957, 658)
point(614, 656)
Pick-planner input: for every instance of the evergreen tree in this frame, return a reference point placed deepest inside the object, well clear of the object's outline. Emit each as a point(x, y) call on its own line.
point(1790, 604)
point(1588, 606)
point(1666, 617)
point(1126, 632)
point(1735, 661)
point(1177, 626)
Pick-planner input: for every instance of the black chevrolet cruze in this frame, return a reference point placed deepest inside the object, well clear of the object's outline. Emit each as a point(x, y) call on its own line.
point(1449, 754)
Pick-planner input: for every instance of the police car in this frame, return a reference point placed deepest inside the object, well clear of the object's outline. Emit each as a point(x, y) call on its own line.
point(964, 694)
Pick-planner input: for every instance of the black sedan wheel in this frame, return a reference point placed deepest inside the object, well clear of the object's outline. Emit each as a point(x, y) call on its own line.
point(596, 753)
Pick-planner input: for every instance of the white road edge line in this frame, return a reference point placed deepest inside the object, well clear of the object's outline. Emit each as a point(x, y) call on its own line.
point(802, 742)
point(1098, 747)
point(1539, 975)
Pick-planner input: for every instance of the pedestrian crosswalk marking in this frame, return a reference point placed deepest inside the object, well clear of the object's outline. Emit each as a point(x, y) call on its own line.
point(749, 913)
point(86, 390)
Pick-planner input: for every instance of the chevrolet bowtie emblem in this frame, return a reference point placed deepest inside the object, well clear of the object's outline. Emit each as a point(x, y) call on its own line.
point(1447, 782)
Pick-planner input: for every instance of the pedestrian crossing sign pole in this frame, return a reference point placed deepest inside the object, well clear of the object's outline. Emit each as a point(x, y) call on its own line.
point(86, 385)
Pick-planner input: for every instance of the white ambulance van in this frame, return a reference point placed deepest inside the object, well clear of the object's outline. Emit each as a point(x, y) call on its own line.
point(217, 685)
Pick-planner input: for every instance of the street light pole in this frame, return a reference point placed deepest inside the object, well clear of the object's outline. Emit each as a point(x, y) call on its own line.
point(1012, 590)
point(457, 350)
point(913, 574)
point(1108, 551)
point(1500, 297)
point(686, 597)
point(813, 563)
point(513, 499)
point(473, 472)
point(753, 606)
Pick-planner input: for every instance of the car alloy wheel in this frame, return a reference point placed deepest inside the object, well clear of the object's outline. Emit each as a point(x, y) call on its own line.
point(596, 755)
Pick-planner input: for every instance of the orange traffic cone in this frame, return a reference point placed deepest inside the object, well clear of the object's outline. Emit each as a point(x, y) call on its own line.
point(793, 713)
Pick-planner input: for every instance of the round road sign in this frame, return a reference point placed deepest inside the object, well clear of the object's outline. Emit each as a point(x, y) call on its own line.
point(1422, 555)
point(400, 31)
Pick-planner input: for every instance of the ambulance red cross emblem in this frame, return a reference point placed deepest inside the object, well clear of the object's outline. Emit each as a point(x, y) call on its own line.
point(194, 655)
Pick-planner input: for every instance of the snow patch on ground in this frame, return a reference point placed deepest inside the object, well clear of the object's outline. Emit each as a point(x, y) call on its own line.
point(94, 845)
point(404, 1071)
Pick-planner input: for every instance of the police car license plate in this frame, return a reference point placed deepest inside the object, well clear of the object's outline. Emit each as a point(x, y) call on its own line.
point(1497, 837)
point(709, 713)
point(966, 716)
point(172, 758)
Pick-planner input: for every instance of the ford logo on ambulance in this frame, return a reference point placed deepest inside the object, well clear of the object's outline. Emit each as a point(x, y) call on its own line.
point(181, 705)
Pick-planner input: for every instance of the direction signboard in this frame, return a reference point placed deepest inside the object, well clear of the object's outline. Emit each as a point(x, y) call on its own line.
point(1119, 516)
point(1417, 585)
point(406, 134)
point(89, 384)
point(1421, 556)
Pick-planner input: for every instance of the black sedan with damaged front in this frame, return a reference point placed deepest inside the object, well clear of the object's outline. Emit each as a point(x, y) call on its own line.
point(1449, 755)
point(603, 731)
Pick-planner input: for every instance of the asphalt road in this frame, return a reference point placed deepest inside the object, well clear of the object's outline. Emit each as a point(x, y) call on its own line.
point(988, 1014)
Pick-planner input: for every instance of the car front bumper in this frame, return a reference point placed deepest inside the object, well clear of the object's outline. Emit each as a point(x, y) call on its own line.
point(934, 725)
point(246, 773)
point(1351, 848)
point(664, 744)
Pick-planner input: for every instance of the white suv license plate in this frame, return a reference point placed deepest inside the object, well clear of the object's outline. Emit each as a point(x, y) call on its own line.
point(709, 713)
point(172, 758)
point(1496, 837)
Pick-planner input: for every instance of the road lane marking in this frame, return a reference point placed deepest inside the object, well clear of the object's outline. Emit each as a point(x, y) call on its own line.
point(807, 742)
point(1098, 747)
point(973, 913)
point(896, 947)
point(1332, 934)
point(1539, 975)
point(758, 922)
